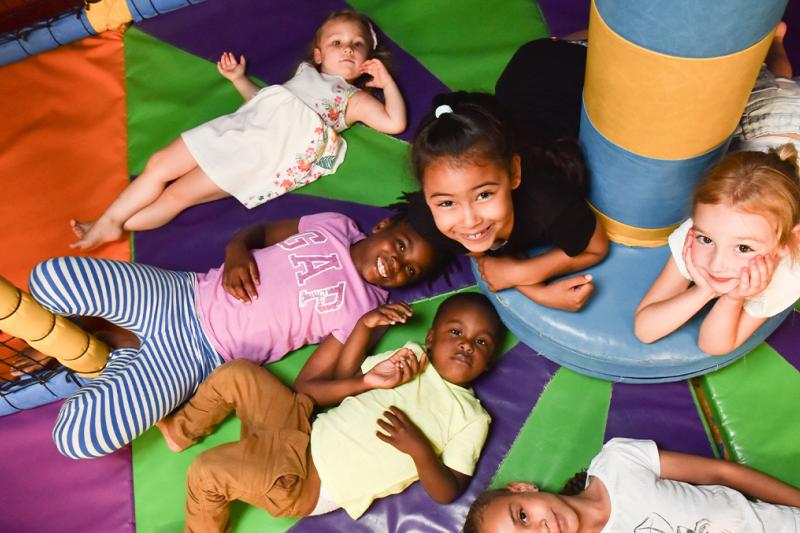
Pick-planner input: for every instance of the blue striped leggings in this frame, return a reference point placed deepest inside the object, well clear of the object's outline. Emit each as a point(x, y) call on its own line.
point(137, 387)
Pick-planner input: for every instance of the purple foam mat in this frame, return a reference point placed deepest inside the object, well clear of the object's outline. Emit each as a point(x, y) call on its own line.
point(42, 491)
point(786, 339)
point(274, 37)
point(565, 16)
point(663, 412)
point(512, 388)
point(191, 242)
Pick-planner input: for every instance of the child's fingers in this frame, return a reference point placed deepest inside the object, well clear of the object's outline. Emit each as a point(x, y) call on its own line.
point(385, 438)
point(386, 426)
point(254, 275)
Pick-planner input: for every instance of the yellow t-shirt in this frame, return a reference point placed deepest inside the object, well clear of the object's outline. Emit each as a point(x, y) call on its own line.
point(357, 467)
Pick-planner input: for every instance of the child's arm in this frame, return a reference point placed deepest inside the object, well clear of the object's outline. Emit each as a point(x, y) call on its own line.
point(670, 301)
point(567, 294)
point(234, 70)
point(388, 116)
point(333, 372)
point(728, 325)
point(442, 484)
point(704, 471)
point(506, 272)
point(240, 275)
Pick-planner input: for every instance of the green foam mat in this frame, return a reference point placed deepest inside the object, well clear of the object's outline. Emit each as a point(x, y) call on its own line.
point(440, 35)
point(754, 403)
point(561, 435)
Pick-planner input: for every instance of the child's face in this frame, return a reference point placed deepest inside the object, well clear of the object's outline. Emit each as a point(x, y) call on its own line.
point(471, 201)
point(462, 342)
point(342, 49)
point(528, 510)
point(393, 256)
point(725, 240)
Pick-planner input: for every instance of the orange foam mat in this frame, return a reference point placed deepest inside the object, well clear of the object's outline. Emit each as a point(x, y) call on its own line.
point(63, 149)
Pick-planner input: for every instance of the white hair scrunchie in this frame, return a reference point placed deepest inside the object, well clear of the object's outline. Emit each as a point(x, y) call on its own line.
point(442, 109)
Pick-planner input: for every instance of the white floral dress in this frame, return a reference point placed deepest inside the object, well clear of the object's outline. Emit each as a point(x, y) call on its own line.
point(285, 137)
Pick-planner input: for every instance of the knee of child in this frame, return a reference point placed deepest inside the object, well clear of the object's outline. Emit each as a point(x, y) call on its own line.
point(40, 279)
point(197, 475)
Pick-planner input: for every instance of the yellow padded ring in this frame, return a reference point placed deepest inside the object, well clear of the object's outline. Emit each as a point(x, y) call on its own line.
point(627, 235)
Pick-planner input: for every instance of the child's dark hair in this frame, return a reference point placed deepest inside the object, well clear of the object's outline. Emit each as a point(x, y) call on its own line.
point(472, 524)
point(474, 127)
point(374, 50)
point(442, 258)
point(474, 298)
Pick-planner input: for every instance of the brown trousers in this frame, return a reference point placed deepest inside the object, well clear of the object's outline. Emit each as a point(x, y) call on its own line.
point(269, 467)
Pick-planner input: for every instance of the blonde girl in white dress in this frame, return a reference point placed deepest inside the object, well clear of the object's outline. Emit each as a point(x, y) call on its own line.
point(283, 137)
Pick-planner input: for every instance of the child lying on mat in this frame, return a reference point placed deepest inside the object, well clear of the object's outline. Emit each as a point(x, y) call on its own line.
point(320, 275)
point(283, 137)
point(631, 486)
point(401, 420)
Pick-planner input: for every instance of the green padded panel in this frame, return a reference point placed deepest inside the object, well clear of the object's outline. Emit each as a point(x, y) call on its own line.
point(435, 33)
point(169, 91)
point(159, 473)
point(755, 404)
point(562, 435)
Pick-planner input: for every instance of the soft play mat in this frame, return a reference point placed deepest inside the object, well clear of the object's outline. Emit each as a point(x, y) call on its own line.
point(81, 119)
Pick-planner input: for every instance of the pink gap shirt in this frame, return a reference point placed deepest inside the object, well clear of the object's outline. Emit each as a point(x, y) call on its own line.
point(309, 289)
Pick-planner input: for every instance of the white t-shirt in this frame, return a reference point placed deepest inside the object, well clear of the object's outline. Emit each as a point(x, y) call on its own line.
point(642, 502)
point(782, 292)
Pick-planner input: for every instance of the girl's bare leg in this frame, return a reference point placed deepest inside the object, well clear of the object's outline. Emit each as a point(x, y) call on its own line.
point(193, 188)
point(777, 61)
point(164, 166)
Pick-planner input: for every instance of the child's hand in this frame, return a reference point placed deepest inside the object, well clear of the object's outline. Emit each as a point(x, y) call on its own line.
point(230, 68)
point(380, 76)
point(387, 315)
point(755, 278)
point(402, 433)
point(567, 294)
point(497, 272)
point(698, 277)
point(398, 369)
point(240, 276)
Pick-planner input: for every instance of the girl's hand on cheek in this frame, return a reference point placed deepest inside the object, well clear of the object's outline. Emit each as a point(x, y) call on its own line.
point(754, 278)
point(376, 69)
point(698, 277)
point(402, 433)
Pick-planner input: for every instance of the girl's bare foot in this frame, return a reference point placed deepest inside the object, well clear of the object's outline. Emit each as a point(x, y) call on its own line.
point(93, 234)
point(163, 427)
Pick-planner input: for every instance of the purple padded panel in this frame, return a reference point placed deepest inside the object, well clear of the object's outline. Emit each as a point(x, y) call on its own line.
point(195, 240)
point(663, 412)
point(274, 37)
point(509, 393)
point(43, 491)
point(786, 340)
point(792, 39)
point(565, 16)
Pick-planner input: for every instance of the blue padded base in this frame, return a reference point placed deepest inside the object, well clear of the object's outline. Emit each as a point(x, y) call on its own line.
point(599, 341)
